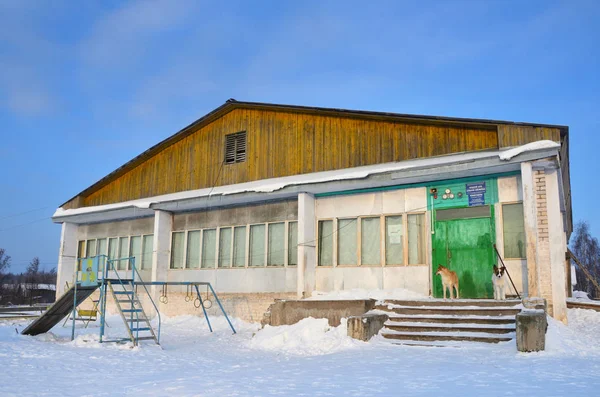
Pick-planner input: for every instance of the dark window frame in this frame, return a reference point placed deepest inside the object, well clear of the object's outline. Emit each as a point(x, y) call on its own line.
point(235, 148)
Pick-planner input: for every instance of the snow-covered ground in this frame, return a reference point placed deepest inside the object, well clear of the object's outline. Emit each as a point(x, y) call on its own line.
point(308, 358)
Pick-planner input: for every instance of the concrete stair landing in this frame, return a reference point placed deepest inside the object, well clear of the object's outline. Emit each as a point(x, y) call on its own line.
point(436, 322)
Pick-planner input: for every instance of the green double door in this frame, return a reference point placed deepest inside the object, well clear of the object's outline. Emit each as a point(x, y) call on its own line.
point(463, 242)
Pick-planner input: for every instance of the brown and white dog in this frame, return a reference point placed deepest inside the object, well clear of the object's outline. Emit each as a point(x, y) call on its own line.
point(499, 282)
point(449, 280)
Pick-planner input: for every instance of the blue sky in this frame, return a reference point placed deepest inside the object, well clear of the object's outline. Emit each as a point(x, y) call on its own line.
point(86, 86)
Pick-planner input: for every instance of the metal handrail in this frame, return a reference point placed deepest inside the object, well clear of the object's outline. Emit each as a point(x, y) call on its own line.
point(151, 300)
point(134, 271)
point(507, 273)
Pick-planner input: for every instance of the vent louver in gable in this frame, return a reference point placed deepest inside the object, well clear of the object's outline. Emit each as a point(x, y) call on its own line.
point(235, 148)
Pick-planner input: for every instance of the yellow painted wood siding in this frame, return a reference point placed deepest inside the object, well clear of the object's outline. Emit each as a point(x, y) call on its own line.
point(286, 143)
point(515, 135)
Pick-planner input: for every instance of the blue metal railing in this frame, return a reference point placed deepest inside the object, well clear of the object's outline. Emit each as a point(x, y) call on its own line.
point(106, 265)
point(134, 272)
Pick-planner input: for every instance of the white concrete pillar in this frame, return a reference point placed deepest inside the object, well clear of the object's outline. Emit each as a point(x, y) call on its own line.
point(530, 221)
point(161, 254)
point(67, 257)
point(307, 258)
point(558, 245)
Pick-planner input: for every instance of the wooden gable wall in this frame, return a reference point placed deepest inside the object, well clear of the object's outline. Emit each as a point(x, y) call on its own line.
point(289, 143)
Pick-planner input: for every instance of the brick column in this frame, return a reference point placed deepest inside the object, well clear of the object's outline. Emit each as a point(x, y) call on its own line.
point(557, 241)
point(530, 222)
point(67, 257)
point(545, 235)
point(307, 260)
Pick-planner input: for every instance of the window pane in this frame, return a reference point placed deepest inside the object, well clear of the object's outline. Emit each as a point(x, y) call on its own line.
point(225, 247)
point(147, 249)
point(193, 250)
point(90, 248)
point(123, 253)
point(81, 249)
point(370, 235)
point(80, 253)
point(394, 240)
point(257, 245)
point(135, 250)
point(325, 243)
point(112, 248)
point(514, 230)
point(276, 255)
point(177, 250)
point(209, 248)
point(347, 242)
point(239, 246)
point(292, 243)
point(416, 239)
point(102, 247)
point(481, 211)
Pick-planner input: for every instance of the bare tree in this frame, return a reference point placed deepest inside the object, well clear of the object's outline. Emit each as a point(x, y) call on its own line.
point(587, 249)
point(34, 266)
point(4, 260)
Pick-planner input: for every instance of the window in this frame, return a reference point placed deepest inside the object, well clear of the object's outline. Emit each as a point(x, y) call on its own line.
point(235, 148)
point(147, 250)
point(123, 253)
point(80, 253)
point(225, 247)
point(276, 246)
point(394, 240)
point(177, 241)
point(239, 246)
point(514, 230)
point(416, 239)
point(209, 248)
point(81, 249)
point(135, 250)
point(370, 235)
point(113, 247)
point(102, 247)
point(257, 245)
point(325, 243)
point(192, 260)
point(480, 211)
point(292, 243)
point(90, 248)
point(347, 242)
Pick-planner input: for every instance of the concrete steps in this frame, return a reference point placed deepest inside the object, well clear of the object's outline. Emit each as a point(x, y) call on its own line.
point(450, 310)
point(450, 328)
point(439, 323)
point(455, 320)
point(454, 303)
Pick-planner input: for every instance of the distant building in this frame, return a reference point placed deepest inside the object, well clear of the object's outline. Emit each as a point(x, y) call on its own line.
point(273, 201)
point(30, 293)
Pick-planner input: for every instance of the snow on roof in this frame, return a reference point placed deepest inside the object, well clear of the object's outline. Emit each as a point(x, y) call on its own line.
point(538, 145)
point(274, 184)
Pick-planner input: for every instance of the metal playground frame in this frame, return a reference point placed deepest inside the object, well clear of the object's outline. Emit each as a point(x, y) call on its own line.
point(125, 285)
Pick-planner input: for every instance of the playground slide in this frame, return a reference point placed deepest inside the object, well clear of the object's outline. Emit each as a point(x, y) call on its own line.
point(59, 310)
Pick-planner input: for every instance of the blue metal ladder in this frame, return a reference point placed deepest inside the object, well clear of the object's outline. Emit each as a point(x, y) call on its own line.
point(130, 308)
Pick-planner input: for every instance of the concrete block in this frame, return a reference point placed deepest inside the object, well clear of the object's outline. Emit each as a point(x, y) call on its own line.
point(287, 312)
point(531, 330)
point(366, 326)
point(535, 303)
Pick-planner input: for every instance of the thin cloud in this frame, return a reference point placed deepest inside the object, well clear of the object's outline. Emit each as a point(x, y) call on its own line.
point(123, 35)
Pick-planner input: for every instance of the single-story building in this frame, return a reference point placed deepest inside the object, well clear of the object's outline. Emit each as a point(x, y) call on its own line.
point(270, 201)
